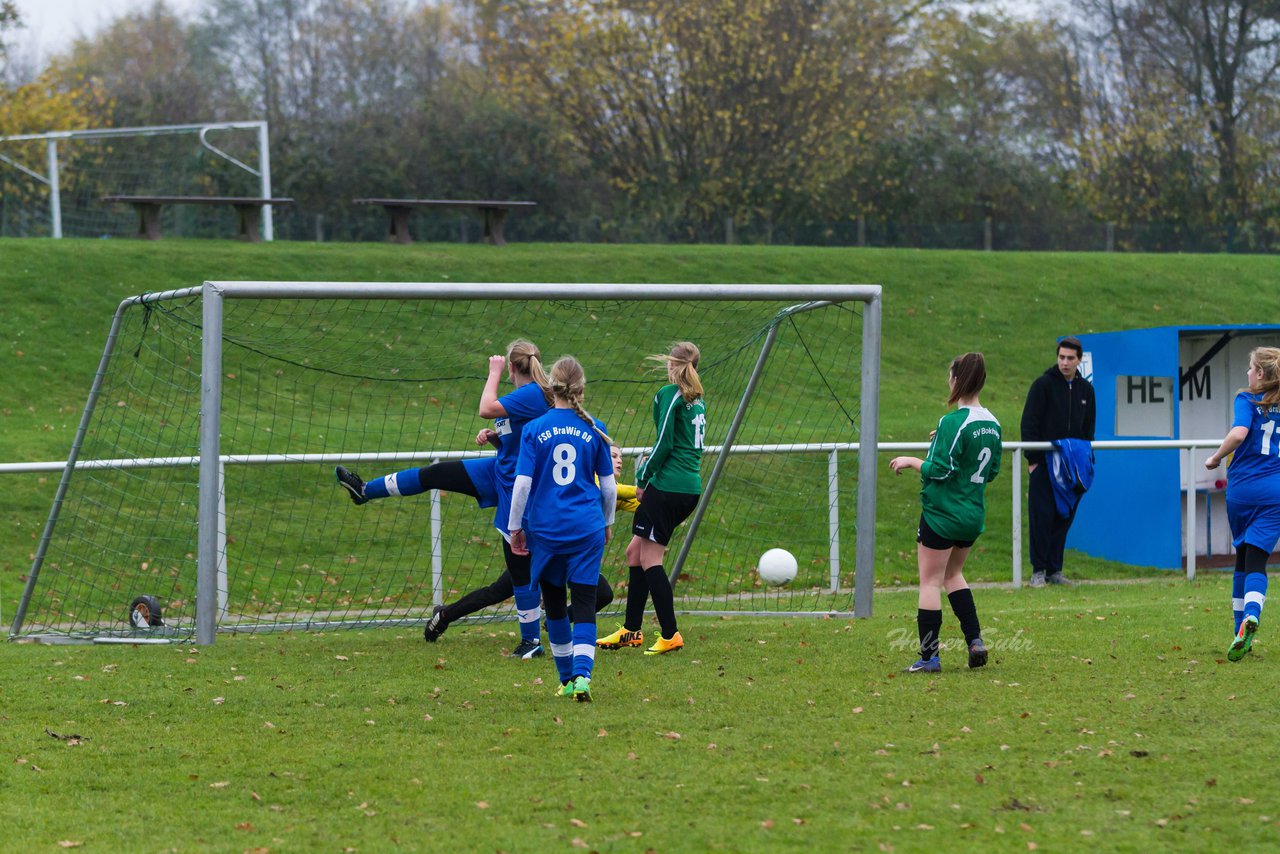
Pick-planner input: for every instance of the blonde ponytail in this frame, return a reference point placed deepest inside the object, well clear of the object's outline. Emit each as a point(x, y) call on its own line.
point(683, 363)
point(568, 382)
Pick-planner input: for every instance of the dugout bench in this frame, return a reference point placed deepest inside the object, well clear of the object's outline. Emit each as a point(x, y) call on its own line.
point(493, 211)
point(148, 207)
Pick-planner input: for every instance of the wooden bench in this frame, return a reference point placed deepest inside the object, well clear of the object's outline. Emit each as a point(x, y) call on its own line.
point(148, 208)
point(398, 211)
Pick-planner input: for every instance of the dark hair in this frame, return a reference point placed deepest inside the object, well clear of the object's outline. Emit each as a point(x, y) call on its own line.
point(1072, 343)
point(970, 371)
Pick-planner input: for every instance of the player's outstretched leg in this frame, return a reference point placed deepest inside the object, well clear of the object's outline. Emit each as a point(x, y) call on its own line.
point(351, 482)
point(436, 625)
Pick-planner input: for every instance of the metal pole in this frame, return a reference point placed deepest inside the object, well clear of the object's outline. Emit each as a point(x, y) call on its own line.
point(724, 452)
point(868, 438)
point(224, 587)
point(1017, 518)
point(95, 388)
point(833, 516)
point(264, 168)
point(1192, 545)
point(55, 191)
point(210, 424)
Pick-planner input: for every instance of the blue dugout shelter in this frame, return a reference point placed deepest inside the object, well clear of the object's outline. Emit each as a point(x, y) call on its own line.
point(1170, 382)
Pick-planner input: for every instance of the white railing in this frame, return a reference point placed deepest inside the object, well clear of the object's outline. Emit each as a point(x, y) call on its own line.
point(832, 449)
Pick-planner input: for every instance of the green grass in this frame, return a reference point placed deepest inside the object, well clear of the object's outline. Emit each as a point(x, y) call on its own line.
point(1108, 718)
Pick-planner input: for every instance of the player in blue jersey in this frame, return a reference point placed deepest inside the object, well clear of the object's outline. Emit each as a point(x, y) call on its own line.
point(1253, 491)
point(488, 480)
point(562, 507)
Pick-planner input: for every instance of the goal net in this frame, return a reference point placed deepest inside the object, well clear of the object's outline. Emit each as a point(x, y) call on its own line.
point(254, 534)
point(53, 184)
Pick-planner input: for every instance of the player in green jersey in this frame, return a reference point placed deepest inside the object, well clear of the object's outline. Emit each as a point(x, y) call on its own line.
point(963, 458)
point(668, 484)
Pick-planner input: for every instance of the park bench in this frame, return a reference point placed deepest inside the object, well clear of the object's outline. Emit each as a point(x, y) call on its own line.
point(148, 208)
point(398, 211)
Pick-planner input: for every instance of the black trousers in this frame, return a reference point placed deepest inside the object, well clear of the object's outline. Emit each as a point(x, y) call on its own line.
point(1048, 529)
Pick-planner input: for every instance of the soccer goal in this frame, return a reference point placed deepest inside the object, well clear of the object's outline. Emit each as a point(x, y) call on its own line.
point(199, 493)
point(52, 184)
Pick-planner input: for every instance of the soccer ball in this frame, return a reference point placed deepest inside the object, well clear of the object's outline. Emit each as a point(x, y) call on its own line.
point(777, 567)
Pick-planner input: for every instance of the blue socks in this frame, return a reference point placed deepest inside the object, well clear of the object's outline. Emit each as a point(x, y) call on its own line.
point(407, 482)
point(1237, 598)
point(529, 611)
point(560, 634)
point(1255, 594)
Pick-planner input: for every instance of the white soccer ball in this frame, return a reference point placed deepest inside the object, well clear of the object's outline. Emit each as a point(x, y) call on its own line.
point(777, 567)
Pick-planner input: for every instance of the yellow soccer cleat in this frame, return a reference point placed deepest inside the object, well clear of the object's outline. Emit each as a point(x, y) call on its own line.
point(665, 645)
point(621, 638)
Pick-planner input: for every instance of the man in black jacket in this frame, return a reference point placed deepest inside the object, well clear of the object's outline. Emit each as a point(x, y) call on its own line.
point(1060, 405)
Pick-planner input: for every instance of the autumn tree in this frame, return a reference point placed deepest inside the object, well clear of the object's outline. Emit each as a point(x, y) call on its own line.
point(694, 110)
point(1215, 62)
point(155, 69)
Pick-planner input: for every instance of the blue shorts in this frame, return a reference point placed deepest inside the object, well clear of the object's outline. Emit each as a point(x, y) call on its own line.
point(561, 564)
point(481, 473)
point(1255, 524)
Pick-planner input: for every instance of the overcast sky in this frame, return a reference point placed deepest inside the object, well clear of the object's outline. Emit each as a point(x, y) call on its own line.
point(53, 24)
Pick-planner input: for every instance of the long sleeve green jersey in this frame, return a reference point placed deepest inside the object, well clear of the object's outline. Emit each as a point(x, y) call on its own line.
point(676, 459)
point(963, 458)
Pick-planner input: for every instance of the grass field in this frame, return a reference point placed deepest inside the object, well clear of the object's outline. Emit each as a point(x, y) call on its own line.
point(1108, 719)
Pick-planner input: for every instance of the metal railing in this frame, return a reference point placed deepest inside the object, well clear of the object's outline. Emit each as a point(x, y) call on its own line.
point(831, 449)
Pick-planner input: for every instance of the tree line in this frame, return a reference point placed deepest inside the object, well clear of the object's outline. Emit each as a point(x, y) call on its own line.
point(674, 120)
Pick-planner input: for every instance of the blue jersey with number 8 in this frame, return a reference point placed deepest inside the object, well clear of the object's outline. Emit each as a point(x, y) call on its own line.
point(563, 456)
point(1254, 474)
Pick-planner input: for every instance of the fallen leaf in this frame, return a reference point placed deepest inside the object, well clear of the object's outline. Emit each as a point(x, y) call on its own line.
point(484, 805)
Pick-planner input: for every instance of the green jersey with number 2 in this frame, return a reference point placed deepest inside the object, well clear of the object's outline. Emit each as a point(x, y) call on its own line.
point(963, 458)
point(676, 459)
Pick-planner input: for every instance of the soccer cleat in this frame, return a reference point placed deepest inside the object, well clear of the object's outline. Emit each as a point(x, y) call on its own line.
point(582, 689)
point(1058, 578)
point(351, 482)
point(528, 649)
point(664, 645)
point(621, 638)
point(977, 654)
point(925, 665)
point(1037, 580)
point(565, 689)
point(1243, 641)
point(435, 626)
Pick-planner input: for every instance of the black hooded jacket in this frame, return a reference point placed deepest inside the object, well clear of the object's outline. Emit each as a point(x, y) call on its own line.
point(1057, 410)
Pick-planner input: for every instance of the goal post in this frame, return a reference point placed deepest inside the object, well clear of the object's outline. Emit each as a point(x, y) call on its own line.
point(218, 412)
point(52, 183)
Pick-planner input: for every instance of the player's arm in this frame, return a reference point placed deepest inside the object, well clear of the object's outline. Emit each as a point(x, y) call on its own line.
point(664, 412)
point(490, 407)
point(519, 498)
point(627, 499)
point(940, 465)
point(1234, 439)
point(1241, 420)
